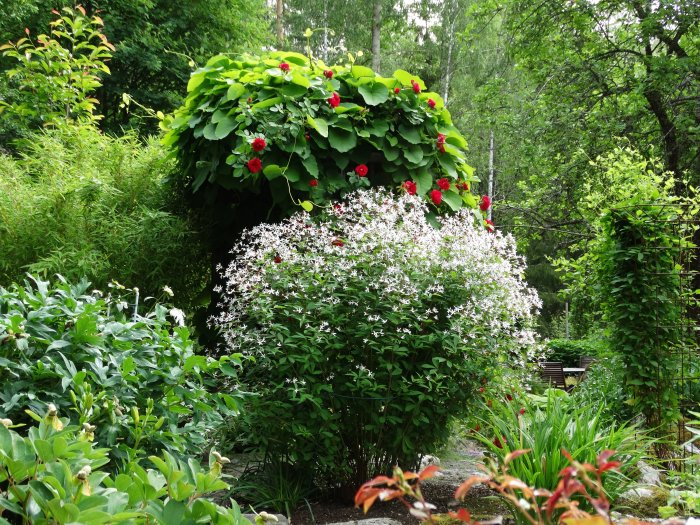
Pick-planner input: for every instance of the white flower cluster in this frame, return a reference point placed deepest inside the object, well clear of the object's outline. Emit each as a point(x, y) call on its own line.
point(387, 244)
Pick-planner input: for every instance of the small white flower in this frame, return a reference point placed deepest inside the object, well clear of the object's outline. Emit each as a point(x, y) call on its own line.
point(168, 291)
point(178, 315)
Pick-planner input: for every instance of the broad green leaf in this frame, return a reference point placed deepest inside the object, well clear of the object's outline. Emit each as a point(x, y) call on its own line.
point(267, 103)
point(293, 90)
point(374, 93)
point(235, 91)
point(453, 200)
point(423, 180)
point(413, 154)
point(410, 133)
point(361, 72)
point(405, 78)
point(319, 124)
point(224, 128)
point(291, 174)
point(342, 140)
point(311, 165)
point(300, 80)
point(272, 171)
point(307, 205)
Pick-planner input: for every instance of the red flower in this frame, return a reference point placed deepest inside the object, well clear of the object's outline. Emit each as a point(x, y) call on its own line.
point(462, 186)
point(284, 66)
point(338, 208)
point(334, 101)
point(490, 226)
point(277, 259)
point(259, 144)
point(522, 411)
point(509, 397)
point(410, 187)
point(361, 170)
point(397, 90)
point(441, 142)
point(328, 74)
point(416, 87)
point(431, 103)
point(477, 428)
point(489, 403)
point(313, 183)
point(254, 165)
point(482, 389)
point(444, 184)
point(498, 443)
point(338, 242)
point(436, 196)
point(307, 136)
point(485, 203)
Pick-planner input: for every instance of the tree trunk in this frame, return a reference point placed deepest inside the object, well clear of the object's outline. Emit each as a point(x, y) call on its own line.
point(376, 27)
point(280, 27)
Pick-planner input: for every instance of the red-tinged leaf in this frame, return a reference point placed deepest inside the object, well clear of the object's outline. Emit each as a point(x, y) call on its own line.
point(26, 30)
point(369, 502)
point(566, 473)
point(428, 472)
point(601, 505)
point(609, 466)
point(590, 520)
point(55, 12)
point(388, 495)
point(551, 503)
point(462, 515)
point(566, 454)
point(81, 9)
point(515, 454)
point(573, 487)
point(409, 475)
point(542, 493)
point(604, 456)
point(469, 483)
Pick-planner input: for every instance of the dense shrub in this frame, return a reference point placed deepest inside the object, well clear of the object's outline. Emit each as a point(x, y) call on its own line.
point(53, 475)
point(83, 204)
point(291, 129)
point(569, 351)
point(368, 328)
point(134, 377)
point(603, 388)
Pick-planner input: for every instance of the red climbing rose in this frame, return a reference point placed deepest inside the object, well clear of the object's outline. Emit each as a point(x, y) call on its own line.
point(254, 165)
point(410, 187)
point(361, 170)
point(259, 144)
point(436, 196)
point(444, 184)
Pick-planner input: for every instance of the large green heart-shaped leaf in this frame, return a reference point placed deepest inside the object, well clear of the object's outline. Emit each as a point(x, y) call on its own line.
point(374, 93)
point(342, 140)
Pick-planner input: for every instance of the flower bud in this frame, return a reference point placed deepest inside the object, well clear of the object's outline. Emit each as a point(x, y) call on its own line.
point(51, 411)
point(6, 422)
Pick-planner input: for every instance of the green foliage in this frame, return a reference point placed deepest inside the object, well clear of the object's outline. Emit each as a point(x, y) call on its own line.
point(52, 475)
point(548, 424)
point(312, 148)
point(135, 380)
point(57, 75)
point(640, 280)
point(603, 388)
point(569, 351)
point(84, 204)
point(368, 330)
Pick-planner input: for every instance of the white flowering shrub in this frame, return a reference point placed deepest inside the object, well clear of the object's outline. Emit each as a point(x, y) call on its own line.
point(368, 328)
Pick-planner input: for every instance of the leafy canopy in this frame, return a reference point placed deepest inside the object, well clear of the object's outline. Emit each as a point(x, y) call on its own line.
point(314, 128)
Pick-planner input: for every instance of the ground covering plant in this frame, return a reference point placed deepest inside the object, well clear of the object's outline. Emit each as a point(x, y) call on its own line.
point(127, 370)
point(367, 329)
point(53, 473)
point(548, 424)
point(84, 204)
